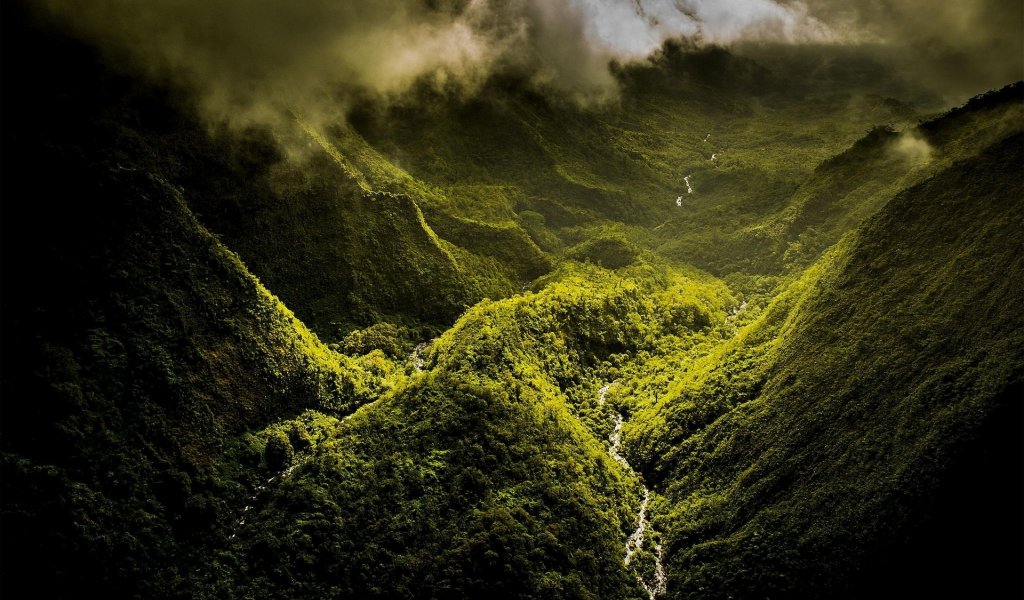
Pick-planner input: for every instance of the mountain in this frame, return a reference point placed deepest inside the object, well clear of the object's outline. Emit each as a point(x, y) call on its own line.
point(862, 412)
point(137, 349)
point(741, 332)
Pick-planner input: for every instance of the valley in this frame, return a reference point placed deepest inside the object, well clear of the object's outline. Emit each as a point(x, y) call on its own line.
point(738, 332)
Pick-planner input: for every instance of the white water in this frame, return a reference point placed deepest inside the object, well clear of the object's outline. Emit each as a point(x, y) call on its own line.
point(731, 317)
point(689, 188)
point(417, 362)
point(415, 358)
point(707, 137)
point(636, 539)
point(714, 156)
point(256, 494)
point(615, 438)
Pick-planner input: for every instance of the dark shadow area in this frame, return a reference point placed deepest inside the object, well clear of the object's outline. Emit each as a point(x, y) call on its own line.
point(970, 544)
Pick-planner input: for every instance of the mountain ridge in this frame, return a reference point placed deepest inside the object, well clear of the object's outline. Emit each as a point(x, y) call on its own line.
point(485, 314)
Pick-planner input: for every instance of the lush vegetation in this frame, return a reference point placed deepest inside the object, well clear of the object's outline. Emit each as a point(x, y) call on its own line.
point(825, 425)
point(800, 297)
point(485, 474)
point(144, 354)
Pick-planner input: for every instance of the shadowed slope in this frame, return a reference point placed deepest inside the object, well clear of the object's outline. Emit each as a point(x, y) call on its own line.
point(136, 347)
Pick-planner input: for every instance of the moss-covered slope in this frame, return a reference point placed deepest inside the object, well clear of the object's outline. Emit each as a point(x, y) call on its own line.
point(698, 119)
point(344, 237)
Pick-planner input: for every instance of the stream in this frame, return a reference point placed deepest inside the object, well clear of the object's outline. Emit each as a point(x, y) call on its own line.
point(730, 318)
point(417, 362)
point(256, 494)
point(415, 358)
point(635, 541)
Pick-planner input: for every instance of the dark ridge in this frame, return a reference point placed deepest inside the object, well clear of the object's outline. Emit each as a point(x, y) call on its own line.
point(1009, 94)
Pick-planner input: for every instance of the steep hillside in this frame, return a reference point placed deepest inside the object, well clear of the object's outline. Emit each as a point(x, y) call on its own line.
point(346, 240)
point(689, 119)
point(707, 340)
point(871, 404)
point(472, 198)
point(486, 474)
point(136, 349)
point(467, 199)
point(351, 240)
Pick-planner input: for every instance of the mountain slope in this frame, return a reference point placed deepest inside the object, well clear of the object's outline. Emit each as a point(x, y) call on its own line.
point(699, 115)
point(170, 429)
point(842, 191)
point(136, 348)
point(344, 245)
point(488, 473)
point(841, 421)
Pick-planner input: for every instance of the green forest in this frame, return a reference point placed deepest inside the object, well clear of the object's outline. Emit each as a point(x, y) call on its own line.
point(726, 319)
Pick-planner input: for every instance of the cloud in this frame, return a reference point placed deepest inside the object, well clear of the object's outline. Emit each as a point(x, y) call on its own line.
point(911, 147)
point(250, 58)
point(240, 53)
point(958, 48)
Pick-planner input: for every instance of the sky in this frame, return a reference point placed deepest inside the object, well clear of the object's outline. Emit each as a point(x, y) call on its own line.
point(252, 56)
